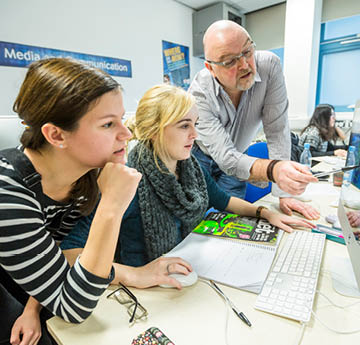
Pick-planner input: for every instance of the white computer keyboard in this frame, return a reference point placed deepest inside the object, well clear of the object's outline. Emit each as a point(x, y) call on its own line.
point(290, 287)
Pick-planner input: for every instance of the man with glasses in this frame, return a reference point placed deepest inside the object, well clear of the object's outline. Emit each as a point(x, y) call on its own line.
point(239, 90)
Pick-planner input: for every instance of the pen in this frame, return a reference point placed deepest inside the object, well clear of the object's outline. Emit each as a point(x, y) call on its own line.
point(328, 231)
point(238, 313)
point(337, 170)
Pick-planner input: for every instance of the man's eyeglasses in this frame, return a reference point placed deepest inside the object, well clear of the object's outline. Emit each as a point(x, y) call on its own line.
point(231, 62)
point(124, 296)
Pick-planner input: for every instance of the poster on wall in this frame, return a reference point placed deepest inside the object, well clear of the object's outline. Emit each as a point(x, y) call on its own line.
point(20, 55)
point(176, 64)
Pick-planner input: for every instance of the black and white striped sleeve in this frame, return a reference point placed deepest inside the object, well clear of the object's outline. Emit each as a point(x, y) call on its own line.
point(31, 257)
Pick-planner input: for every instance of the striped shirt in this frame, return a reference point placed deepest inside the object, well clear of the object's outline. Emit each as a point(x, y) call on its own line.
point(226, 132)
point(30, 225)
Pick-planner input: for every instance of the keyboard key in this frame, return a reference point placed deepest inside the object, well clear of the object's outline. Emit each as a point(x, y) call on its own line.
point(266, 306)
point(265, 291)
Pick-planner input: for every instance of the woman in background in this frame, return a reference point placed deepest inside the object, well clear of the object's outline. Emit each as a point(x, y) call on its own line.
point(322, 134)
point(174, 192)
point(73, 115)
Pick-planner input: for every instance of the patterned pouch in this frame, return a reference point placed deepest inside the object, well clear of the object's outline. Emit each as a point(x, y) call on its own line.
point(152, 336)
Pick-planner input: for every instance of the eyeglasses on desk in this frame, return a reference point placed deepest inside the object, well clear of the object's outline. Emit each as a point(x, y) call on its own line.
point(124, 296)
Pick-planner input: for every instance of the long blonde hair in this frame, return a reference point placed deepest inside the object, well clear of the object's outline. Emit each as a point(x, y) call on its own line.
point(161, 105)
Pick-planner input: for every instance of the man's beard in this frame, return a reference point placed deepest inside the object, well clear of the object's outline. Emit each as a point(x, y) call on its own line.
point(243, 85)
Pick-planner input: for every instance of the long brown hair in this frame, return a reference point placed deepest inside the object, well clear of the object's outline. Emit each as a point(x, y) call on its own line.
point(61, 91)
point(321, 120)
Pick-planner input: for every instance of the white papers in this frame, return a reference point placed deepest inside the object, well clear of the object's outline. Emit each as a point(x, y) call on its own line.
point(236, 263)
point(334, 160)
point(314, 190)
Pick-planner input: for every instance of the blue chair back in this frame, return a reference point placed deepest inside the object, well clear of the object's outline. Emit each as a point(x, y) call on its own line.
point(254, 193)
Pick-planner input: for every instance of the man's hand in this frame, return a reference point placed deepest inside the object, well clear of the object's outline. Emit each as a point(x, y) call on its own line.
point(292, 177)
point(354, 218)
point(287, 205)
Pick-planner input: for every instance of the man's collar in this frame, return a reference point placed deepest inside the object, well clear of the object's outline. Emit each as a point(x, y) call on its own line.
point(217, 86)
point(257, 77)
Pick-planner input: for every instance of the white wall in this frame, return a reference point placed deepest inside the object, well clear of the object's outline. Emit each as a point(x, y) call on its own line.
point(10, 131)
point(267, 26)
point(335, 9)
point(125, 29)
point(301, 54)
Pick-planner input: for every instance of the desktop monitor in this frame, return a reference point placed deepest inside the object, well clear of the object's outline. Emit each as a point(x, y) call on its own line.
point(346, 271)
point(355, 141)
point(351, 196)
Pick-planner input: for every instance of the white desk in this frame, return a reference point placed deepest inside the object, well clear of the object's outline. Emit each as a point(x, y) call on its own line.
point(196, 315)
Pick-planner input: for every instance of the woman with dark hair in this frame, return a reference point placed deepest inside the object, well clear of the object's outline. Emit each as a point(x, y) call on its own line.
point(321, 133)
point(73, 116)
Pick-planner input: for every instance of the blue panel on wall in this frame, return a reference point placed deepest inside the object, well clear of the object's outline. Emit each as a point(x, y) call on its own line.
point(339, 57)
point(280, 53)
point(21, 55)
point(342, 27)
point(333, 76)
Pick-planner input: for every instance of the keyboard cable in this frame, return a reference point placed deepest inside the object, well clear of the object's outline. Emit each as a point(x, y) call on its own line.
point(301, 333)
point(340, 307)
point(227, 311)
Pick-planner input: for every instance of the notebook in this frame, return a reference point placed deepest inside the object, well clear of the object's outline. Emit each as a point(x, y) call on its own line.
point(240, 264)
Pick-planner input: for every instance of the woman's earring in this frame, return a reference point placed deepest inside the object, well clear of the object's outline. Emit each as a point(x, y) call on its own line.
point(61, 146)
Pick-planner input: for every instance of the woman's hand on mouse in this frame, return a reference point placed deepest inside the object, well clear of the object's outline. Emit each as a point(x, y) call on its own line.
point(154, 273)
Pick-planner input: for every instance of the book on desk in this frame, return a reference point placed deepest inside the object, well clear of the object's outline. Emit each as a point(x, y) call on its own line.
point(243, 264)
point(233, 226)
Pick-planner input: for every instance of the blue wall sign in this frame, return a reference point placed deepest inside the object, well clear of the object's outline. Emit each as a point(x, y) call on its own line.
point(20, 55)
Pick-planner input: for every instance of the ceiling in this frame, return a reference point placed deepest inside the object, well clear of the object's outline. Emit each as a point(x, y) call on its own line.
point(244, 6)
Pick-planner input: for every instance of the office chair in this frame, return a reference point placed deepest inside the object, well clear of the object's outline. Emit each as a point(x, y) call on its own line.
point(254, 193)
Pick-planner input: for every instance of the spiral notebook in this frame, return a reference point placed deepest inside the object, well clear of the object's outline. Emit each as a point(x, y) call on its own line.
point(243, 265)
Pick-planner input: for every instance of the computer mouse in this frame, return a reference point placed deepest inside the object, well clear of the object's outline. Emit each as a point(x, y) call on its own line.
point(337, 225)
point(331, 218)
point(184, 280)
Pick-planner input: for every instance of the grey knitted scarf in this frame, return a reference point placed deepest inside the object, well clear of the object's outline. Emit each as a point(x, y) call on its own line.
point(162, 198)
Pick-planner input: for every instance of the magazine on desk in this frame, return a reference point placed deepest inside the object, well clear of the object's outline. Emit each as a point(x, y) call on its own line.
point(233, 226)
point(237, 263)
